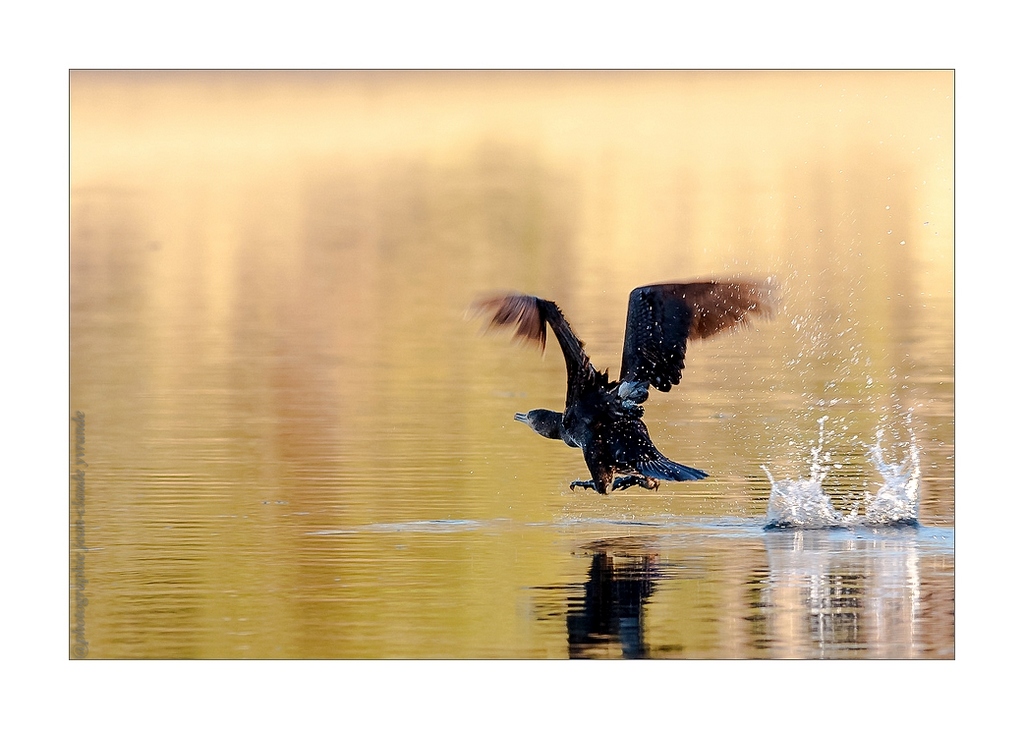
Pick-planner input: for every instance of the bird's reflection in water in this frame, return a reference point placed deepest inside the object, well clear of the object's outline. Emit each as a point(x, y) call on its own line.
point(605, 614)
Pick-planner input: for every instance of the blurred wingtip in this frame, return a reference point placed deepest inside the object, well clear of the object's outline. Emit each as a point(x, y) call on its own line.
point(486, 304)
point(511, 308)
point(733, 303)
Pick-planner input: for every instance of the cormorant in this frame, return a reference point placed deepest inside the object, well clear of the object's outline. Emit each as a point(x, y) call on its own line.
point(603, 417)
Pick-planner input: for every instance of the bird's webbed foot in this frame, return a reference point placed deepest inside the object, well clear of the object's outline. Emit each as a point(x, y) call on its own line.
point(643, 482)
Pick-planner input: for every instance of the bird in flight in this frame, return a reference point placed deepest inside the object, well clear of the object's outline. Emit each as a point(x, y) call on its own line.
point(605, 418)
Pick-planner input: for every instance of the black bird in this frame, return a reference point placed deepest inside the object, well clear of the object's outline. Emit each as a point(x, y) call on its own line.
point(603, 417)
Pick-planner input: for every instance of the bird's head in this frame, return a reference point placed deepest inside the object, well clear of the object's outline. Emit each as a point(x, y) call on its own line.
point(545, 422)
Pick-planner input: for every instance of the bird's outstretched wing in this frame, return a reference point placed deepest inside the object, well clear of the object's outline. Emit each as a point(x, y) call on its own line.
point(531, 315)
point(663, 316)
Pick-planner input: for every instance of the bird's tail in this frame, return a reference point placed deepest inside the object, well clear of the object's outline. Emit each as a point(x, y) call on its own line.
point(664, 469)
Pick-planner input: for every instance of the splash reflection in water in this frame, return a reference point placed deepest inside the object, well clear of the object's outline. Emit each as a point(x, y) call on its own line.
point(835, 593)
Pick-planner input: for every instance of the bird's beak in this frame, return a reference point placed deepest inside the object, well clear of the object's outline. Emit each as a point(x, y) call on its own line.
point(521, 417)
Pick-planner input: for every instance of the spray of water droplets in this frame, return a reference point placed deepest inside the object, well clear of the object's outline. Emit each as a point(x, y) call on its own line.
point(803, 504)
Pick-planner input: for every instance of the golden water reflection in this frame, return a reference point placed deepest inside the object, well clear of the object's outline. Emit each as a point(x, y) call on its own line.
point(269, 279)
point(791, 594)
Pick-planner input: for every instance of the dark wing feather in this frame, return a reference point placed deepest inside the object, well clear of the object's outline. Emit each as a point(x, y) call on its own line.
point(662, 317)
point(530, 315)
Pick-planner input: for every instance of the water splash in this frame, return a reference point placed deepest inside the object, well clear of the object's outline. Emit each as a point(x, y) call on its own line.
point(897, 500)
point(803, 504)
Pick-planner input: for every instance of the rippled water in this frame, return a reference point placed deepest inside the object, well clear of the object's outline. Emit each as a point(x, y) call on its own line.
point(294, 442)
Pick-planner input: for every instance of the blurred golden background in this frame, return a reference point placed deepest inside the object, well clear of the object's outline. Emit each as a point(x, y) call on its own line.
point(298, 445)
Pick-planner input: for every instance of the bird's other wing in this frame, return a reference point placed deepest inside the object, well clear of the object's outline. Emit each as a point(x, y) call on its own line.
point(662, 317)
point(530, 316)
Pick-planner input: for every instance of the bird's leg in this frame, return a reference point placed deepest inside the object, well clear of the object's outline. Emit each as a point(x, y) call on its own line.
point(624, 482)
point(583, 484)
point(644, 482)
point(601, 473)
